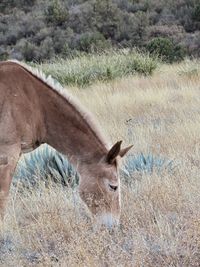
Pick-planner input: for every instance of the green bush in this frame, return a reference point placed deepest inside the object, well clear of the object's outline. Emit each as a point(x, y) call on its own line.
point(56, 13)
point(30, 51)
point(92, 42)
point(166, 50)
point(196, 13)
point(3, 54)
point(87, 69)
point(179, 53)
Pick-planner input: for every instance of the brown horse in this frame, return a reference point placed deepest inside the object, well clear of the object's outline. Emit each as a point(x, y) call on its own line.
point(34, 109)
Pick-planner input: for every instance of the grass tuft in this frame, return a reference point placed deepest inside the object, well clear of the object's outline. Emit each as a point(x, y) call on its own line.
point(88, 69)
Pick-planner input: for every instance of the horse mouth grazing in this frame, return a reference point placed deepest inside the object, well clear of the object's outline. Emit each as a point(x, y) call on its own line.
point(108, 219)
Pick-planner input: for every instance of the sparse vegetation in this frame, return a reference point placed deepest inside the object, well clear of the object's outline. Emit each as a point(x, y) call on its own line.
point(159, 114)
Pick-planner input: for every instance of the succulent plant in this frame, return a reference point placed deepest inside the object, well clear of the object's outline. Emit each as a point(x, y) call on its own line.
point(148, 163)
point(48, 165)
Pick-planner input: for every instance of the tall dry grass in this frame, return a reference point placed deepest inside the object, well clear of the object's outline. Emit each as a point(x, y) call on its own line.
point(160, 220)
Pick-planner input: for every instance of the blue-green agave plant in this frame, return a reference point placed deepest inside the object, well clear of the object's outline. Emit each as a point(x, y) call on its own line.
point(45, 164)
point(145, 164)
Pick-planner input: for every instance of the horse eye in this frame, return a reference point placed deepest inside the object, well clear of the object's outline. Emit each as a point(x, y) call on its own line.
point(113, 187)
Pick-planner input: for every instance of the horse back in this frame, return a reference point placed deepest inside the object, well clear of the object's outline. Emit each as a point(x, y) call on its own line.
point(21, 116)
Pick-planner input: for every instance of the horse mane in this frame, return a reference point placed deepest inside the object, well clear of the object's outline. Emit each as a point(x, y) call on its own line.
point(74, 102)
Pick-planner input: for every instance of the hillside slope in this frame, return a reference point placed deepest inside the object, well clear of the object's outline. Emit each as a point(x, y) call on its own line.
point(40, 29)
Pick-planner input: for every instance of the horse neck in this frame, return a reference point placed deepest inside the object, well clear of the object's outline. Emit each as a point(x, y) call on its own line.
point(69, 131)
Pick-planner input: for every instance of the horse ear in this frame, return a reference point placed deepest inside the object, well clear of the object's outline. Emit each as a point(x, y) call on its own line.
point(124, 151)
point(113, 152)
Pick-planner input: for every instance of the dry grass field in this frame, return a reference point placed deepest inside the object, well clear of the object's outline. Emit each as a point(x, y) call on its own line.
point(160, 220)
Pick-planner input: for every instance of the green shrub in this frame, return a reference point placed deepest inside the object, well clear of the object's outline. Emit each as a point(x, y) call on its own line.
point(87, 69)
point(56, 13)
point(92, 42)
point(47, 48)
point(3, 54)
point(30, 51)
point(196, 13)
point(179, 53)
point(166, 50)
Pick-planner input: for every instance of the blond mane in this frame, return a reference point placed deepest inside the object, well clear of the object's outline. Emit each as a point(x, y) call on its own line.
point(77, 106)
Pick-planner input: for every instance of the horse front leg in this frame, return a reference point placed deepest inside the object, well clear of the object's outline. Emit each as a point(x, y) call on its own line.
point(7, 166)
point(5, 181)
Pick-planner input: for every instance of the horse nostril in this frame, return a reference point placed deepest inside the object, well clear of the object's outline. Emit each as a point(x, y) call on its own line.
point(113, 187)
